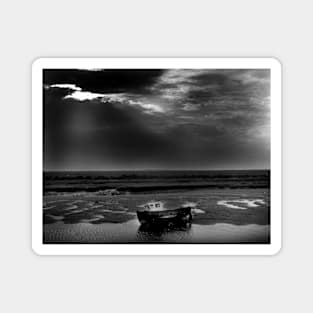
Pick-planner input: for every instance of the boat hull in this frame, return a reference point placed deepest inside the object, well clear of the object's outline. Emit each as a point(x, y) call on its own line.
point(166, 217)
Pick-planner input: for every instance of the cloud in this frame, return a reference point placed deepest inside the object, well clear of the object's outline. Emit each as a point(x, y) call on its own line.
point(66, 86)
point(84, 95)
point(104, 81)
point(191, 107)
point(152, 108)
point(97, 133)
point(75, 92)
point(132, 99)
point(157, 118)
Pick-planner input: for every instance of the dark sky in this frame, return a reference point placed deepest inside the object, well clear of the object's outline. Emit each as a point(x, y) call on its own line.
point(156, 119)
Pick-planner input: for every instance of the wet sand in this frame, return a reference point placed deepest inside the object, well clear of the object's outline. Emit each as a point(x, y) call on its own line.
point(221, 216)
point(130, 232)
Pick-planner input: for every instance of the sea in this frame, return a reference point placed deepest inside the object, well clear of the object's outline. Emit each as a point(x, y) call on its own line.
point(147, 181)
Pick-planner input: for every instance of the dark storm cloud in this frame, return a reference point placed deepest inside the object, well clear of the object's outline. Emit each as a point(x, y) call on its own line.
point(96, 132)
point(234, 97)
point(128, 119)
point(104, 81)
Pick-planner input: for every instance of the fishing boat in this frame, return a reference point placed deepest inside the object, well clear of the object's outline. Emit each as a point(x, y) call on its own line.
point(154, 213)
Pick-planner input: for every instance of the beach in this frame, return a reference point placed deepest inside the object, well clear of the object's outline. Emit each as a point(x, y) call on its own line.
point(220, 215)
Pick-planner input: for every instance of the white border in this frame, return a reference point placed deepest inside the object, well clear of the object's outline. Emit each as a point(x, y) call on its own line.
point(156, 249)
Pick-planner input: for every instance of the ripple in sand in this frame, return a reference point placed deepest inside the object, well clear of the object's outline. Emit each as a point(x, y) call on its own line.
point(93, 219)
point(49, 207)
point(56, 218)
point(96, 206)
point(114, 211)
point(72, 207)
point(75, 211)
point(250, 203)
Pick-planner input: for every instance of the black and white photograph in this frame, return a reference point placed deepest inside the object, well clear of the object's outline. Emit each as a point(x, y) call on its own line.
point(165, 156)
point(156, 156)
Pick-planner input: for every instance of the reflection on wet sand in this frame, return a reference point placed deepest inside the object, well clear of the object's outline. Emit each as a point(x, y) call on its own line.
point(132, 232)
point(153, 233)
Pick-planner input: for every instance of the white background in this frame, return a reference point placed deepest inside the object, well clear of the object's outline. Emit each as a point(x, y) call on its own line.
point(113, 249)
point(31, 29)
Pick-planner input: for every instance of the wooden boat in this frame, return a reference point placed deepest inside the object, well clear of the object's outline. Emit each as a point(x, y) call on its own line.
point(153, 213)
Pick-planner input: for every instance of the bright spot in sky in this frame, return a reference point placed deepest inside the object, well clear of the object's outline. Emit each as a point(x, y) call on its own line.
point(78, 94)
point(67, 86)
point(152, 108)
point(83, 95)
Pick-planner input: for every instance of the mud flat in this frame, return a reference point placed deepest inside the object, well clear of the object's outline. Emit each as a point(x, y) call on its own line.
point(221, 216)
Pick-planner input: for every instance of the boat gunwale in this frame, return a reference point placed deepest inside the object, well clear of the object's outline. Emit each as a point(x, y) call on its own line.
point(168, 211)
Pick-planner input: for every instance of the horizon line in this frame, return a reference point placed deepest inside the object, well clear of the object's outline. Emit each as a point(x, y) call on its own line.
point(153, 170)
